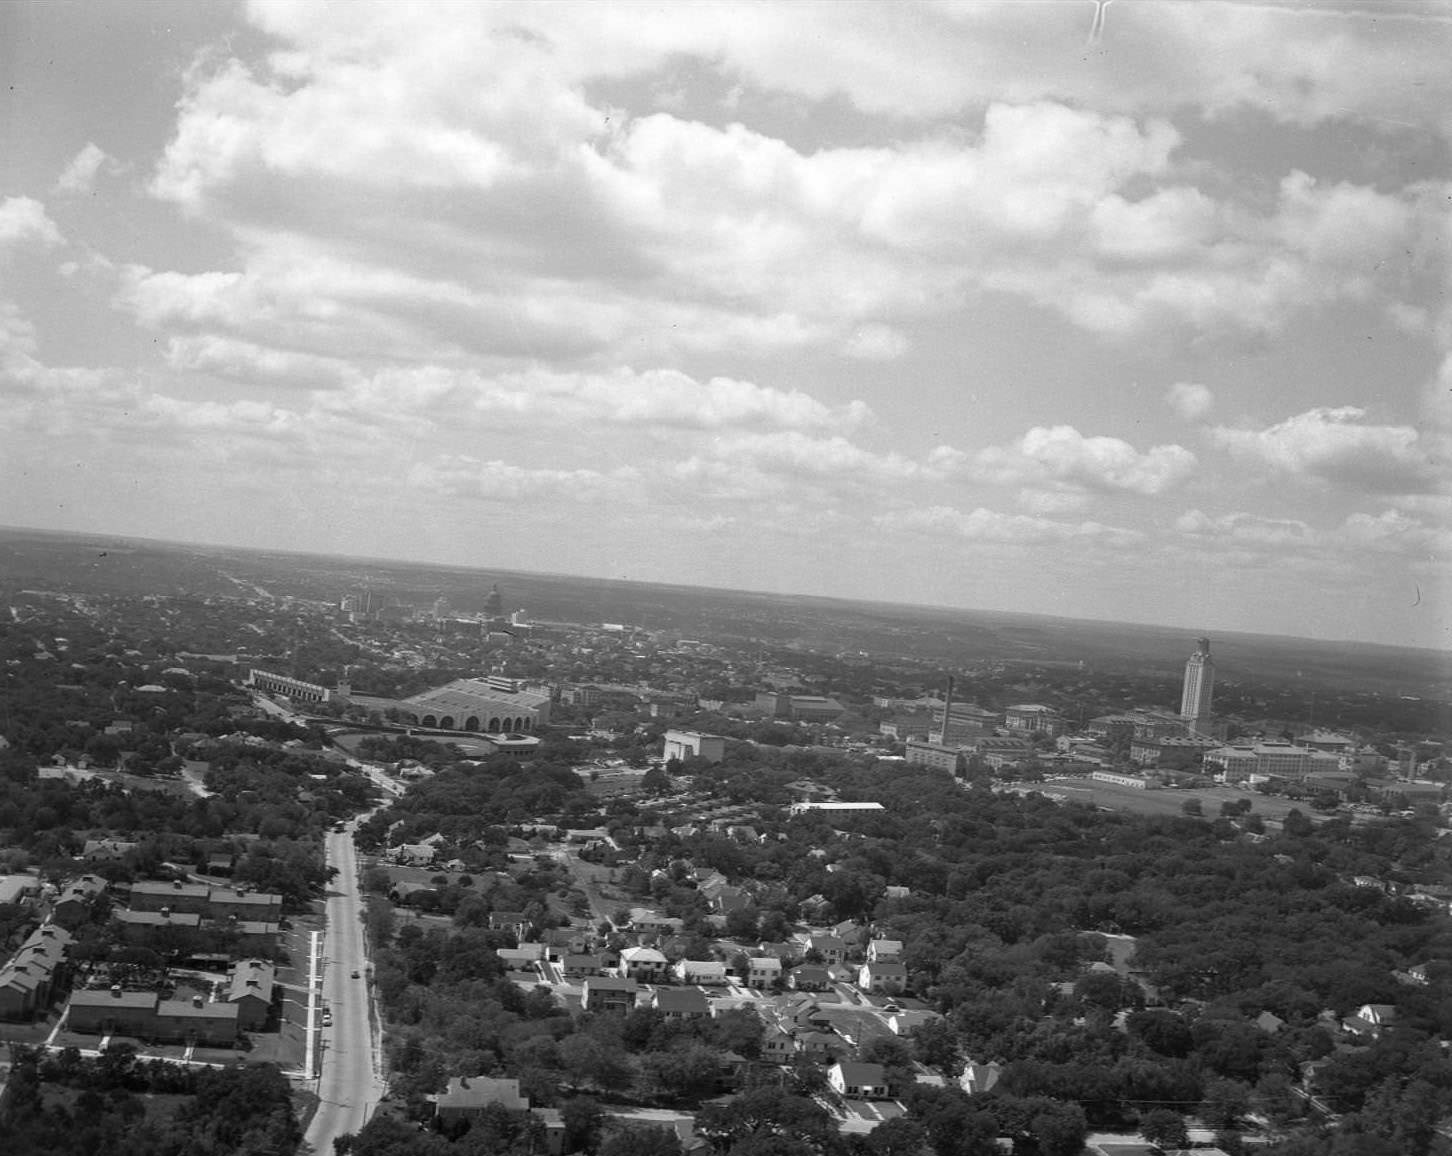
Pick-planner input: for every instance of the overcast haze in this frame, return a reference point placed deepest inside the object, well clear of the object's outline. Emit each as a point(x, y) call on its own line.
point(971, 304)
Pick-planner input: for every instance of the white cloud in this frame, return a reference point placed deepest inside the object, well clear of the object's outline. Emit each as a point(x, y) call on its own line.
point(1336, 445)
point(246, 362)
point(876, 343)
point(24, 219)
point(1046, 457)
point(79, 176)
point(800, 455)
point(983, 525)
point(461, 476)
point(1189, 400)
point(1247, 529)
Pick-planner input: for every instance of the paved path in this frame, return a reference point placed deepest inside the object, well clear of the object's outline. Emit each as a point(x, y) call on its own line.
point(350, 1083)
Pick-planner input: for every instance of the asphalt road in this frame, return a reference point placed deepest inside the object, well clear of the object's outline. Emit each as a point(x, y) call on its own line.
point(349, 1085)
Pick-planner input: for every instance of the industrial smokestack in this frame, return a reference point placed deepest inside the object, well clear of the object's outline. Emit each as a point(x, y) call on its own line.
point(947, 710)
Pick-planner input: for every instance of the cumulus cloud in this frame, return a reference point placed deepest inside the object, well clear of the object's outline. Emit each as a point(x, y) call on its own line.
point(24, 219)
point(984, 525)
point(876, 343)
point(1189, 400)
point(79, 176)
point(461, 476)
point(1243, 528)
point(1337, 445)
point(246, 362)
point(1061, 457)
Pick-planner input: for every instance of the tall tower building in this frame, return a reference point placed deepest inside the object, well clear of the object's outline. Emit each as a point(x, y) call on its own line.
point(493, 604)
point(1199, 685)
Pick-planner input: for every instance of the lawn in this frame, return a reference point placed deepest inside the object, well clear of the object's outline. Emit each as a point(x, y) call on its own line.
point(1166, 802)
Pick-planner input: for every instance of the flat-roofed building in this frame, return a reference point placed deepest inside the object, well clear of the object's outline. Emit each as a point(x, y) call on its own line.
point(154, 928)
point(926, 753)
point(694, 745)
point(113, 1012)
point(966, 721)
point(16, 889)
point(195, 1021)
point(1170, 749)
point(226, 902)
point(176, 896)
point(1033, 718)
point(835, 807)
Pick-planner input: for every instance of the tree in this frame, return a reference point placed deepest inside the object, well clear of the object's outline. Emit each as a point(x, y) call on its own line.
point(1164, 1127)
point(936, 1044)
point(636, 1140)
point(1296, 824)
point(582, 1118)
point(766, 1119)
point(1193, 807)
point(587, 1061)
point(1225, 1102)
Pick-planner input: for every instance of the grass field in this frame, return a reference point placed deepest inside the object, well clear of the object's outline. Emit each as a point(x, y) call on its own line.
point(1165, 802)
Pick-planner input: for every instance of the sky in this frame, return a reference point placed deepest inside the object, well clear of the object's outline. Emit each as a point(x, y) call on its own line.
point(1133, 311)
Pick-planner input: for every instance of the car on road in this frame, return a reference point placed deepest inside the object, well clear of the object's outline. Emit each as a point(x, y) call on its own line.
point(356, 975)
point(327, 1019)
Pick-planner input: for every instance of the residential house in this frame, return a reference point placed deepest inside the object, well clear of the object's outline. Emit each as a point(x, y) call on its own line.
point(786, 951)
point(159, 929)
point(882, 978)
point(174, 896)
point(724, 899)
point(521, 958)
point(648, 922)
point(1269, 1023)
point(609, 993)
point(414, 854)
point(822, 1046)
point(858, 1081)
point(884, 951)
point(763, 971)
point(978, 1078)
point(513, 922)
point(710, 972)
point(467, 1097)
point(809, 977)
point(105, 850)
point(904, 1023)
point(250, 989)
point(244, 904)
point(1371, 1019)
point(679, 1003)
point(16, 889)
point(252, 936)
point(562, 941)
point(74, 905)
point(35, 973)
point(581, 966)
point(830, 948)
point(778, 1046)
point(644, 964)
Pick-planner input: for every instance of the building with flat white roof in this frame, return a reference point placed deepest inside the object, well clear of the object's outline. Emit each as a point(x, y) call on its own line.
point(694, 745)
point(836, 808)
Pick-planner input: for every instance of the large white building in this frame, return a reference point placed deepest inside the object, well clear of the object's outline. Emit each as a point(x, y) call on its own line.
point(1199, 686)
point(694, 744)
point(493, 704)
